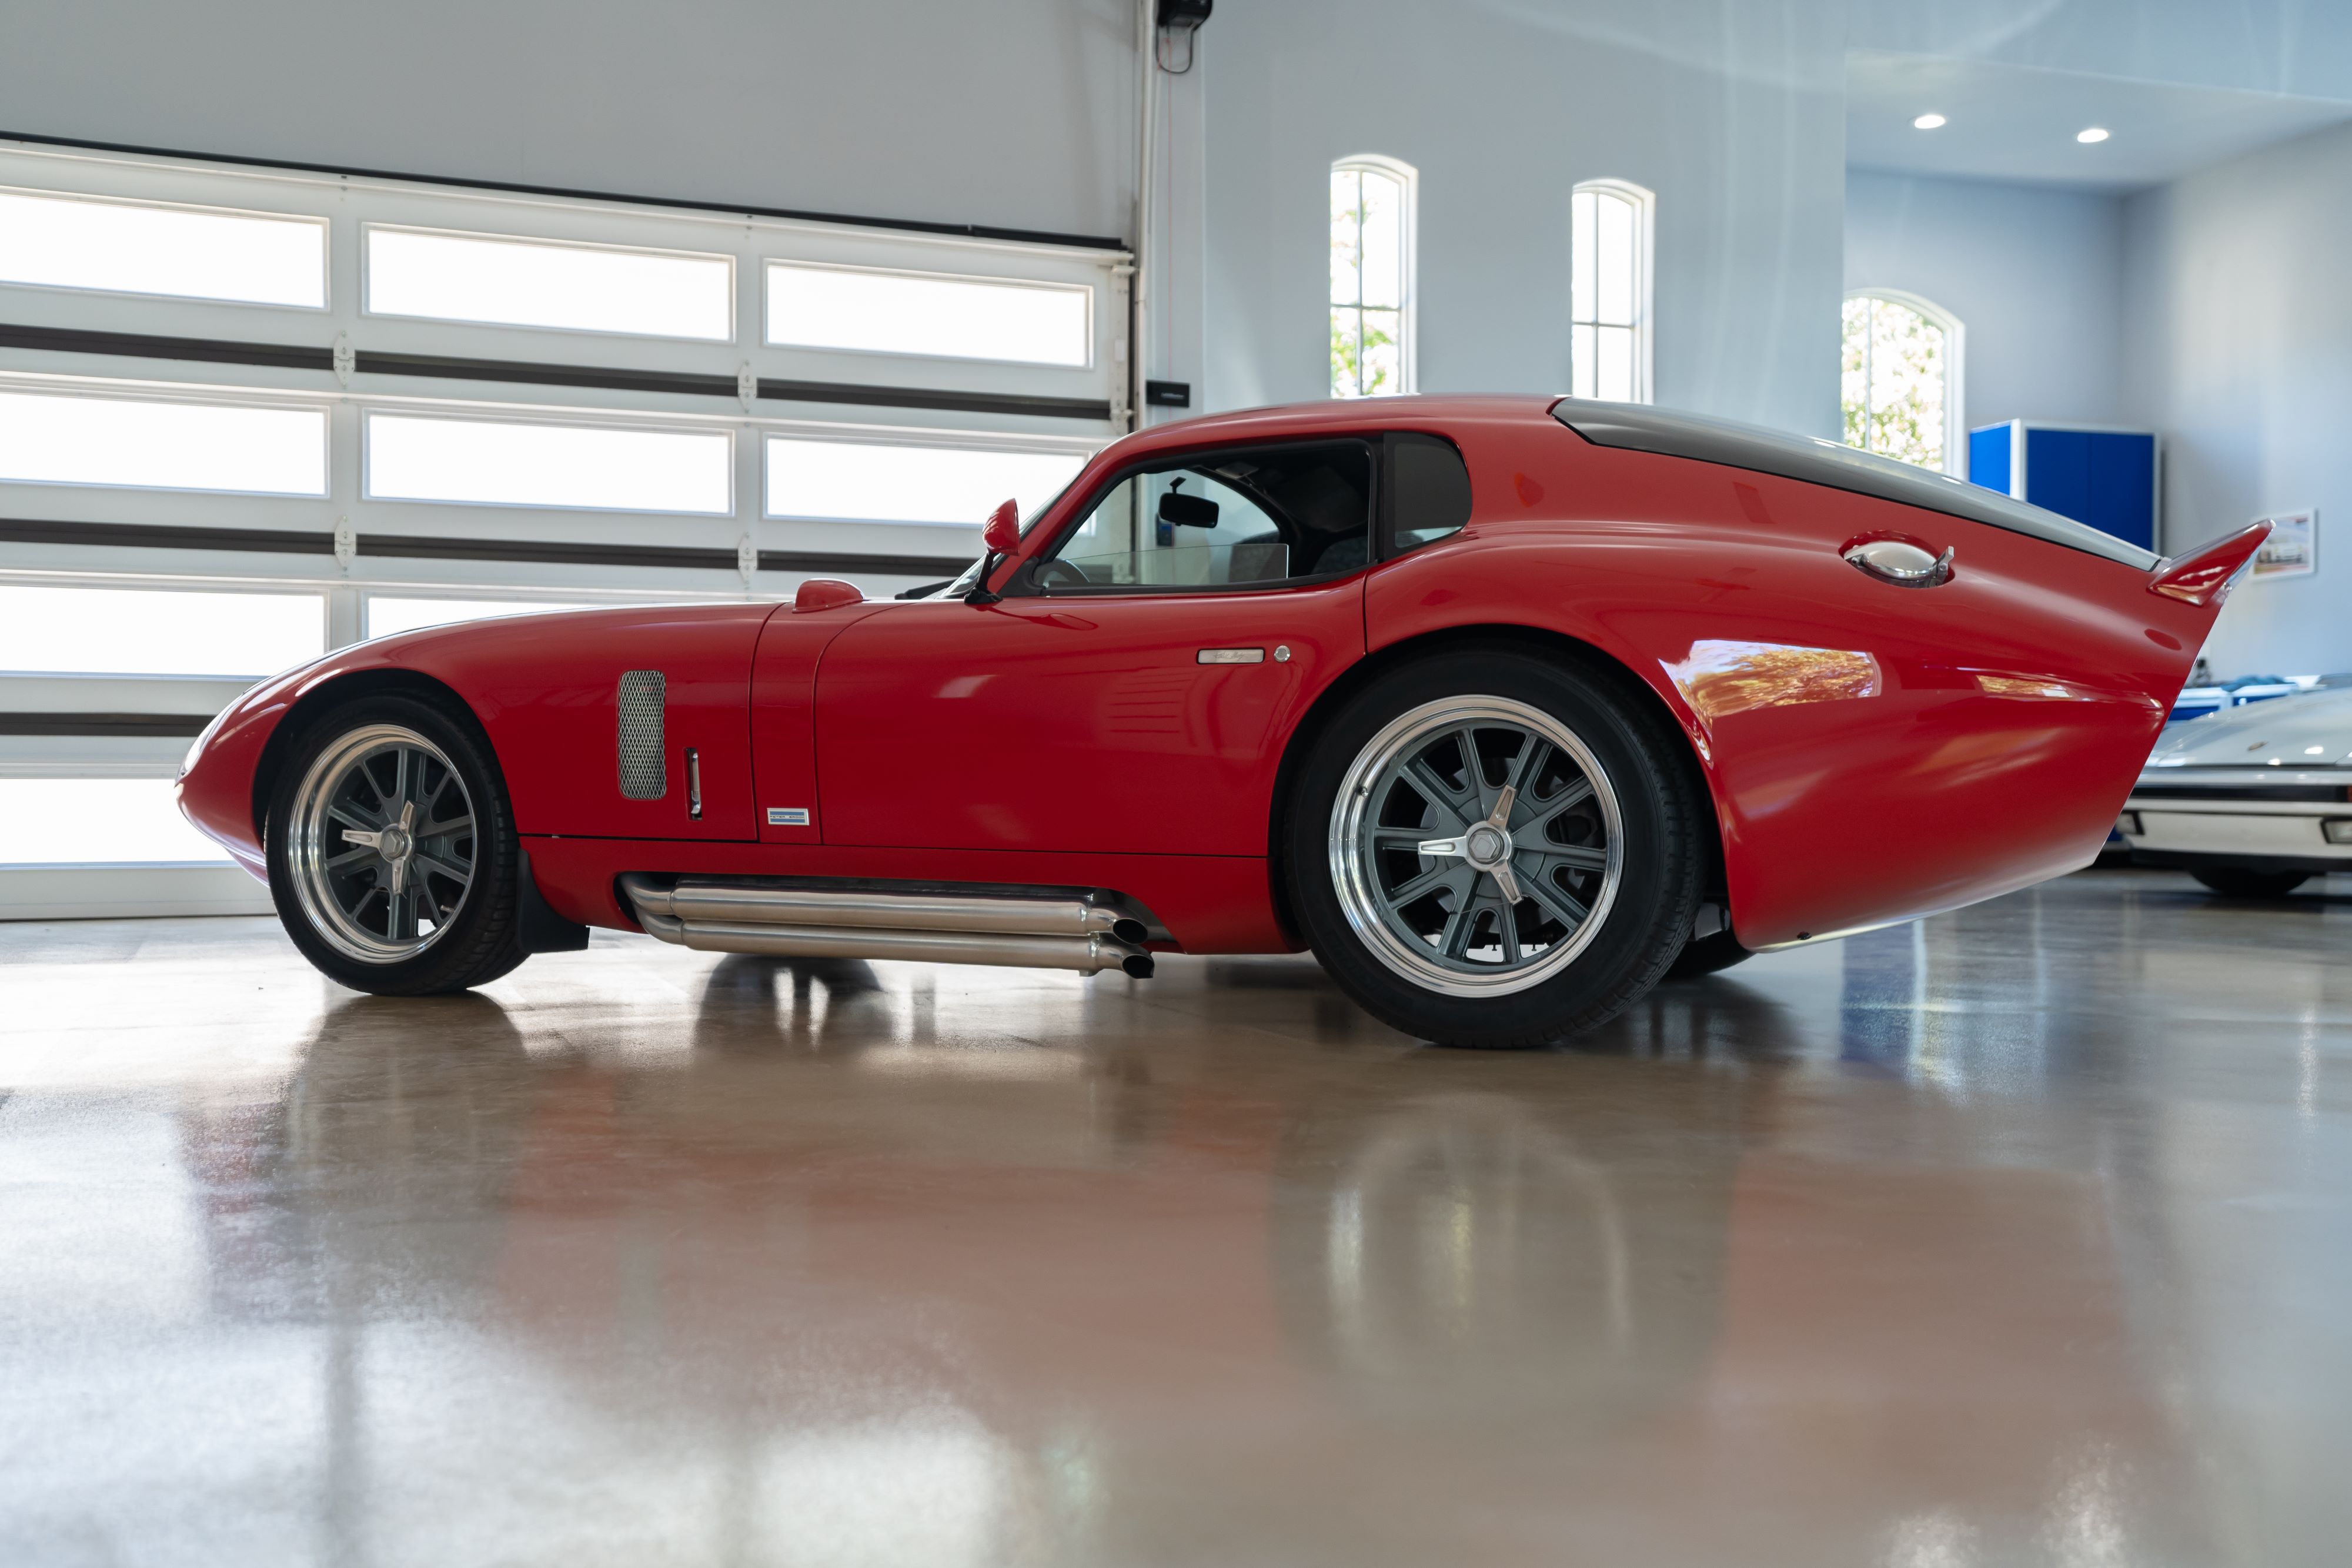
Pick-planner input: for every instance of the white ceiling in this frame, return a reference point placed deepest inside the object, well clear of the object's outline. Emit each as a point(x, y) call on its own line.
point(2018, 122)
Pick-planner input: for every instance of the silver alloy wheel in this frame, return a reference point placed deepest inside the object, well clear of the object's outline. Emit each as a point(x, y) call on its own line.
point(1475, 846)
point(380, 843)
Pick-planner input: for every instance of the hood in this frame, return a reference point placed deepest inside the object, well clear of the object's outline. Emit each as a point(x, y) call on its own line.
point(2312, 731)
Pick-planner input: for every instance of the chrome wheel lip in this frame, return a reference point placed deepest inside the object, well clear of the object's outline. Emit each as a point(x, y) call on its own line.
point(309, 830)
point(1352, 877)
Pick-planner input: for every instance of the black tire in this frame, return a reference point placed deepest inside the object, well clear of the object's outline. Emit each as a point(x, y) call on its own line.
point(1706, 956)
point(1640, 926)
point(2236, 881)
point(479, 940)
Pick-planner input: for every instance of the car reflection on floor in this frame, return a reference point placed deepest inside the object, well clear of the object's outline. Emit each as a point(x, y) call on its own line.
point(1024, 1296)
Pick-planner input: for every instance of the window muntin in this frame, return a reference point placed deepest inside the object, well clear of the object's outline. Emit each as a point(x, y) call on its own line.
point(1608, 288)
point(1428, 491)
point(877, 310)
point(1372, 279)
point(583, 468)
point(1898, 385)
point(156, 631)
point(510, 281)
point(1254, 517)
point(57, 241)
point(866, 481)
point(390, 614)
point(99, 821)
point(147, 444)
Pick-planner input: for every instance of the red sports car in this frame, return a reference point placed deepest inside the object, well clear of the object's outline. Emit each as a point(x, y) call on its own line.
point(1506, 707)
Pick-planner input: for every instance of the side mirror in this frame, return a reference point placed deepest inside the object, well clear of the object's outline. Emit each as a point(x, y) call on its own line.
point(1003, 534)
point(1188, 511)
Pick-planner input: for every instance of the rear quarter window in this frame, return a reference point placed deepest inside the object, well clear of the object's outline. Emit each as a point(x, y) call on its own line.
point(1428, 492)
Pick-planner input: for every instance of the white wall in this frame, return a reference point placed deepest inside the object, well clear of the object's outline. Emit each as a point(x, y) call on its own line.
point(2238, 346)
point(1014, 112)
point(1733, 115)
point(2035, 276)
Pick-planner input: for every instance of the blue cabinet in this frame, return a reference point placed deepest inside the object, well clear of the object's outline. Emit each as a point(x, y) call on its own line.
point(2103, 478)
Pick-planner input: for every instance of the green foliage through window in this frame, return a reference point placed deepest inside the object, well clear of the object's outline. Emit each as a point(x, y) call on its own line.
point(1367, 281)
point(1895, 375)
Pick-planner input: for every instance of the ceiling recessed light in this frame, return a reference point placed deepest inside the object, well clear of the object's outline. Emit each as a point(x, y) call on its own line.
point(1928, 122)
point(2093, 133)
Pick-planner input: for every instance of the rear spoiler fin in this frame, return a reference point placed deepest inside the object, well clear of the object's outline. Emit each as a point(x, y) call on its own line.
point(2205, 576)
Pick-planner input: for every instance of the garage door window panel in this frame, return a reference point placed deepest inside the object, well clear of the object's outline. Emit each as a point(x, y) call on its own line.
point(156, 631)
point(49, 240)
point(878, 311)
point(1252, 518)
point(516, 281)
point(141, 444)
point(877, 482)
point(582, 467)
point(98, 822)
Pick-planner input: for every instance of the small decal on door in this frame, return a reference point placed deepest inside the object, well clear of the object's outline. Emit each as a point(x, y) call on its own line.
point(788, 817)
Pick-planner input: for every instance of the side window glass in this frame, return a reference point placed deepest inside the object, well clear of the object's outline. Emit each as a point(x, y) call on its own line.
point(1428, 491)
point(1232, 520)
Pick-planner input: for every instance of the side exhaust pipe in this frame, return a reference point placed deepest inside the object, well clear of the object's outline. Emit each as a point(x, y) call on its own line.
point(1033, 933)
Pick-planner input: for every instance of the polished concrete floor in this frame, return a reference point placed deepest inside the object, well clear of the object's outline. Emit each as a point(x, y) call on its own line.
point(2023, 1236)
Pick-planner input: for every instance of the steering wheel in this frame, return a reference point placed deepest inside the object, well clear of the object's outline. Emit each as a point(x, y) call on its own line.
point(1051, 574)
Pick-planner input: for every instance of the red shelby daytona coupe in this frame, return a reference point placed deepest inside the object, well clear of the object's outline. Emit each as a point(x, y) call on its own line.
point(1506, 707)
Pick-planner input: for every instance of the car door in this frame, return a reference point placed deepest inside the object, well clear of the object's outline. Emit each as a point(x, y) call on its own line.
point(1133, 690)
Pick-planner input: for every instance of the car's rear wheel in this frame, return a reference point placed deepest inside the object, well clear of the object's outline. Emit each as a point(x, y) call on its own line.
point(392, 853)
point(2235, 881)
point(1490, 848)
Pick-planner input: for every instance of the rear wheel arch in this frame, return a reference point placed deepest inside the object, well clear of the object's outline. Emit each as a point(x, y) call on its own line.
point(325, 698)
point(1553, 647)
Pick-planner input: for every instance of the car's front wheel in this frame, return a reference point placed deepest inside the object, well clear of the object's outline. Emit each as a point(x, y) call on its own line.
point(1489, 848)
point(391, 850)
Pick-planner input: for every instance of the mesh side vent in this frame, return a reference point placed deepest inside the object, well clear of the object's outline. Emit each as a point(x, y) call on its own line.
point(644, 772)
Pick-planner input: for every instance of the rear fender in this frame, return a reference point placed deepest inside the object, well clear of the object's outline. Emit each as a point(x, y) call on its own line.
point(1874, 753)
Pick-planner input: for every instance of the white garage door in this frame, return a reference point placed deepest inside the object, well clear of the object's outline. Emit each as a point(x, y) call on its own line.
point(248, 415)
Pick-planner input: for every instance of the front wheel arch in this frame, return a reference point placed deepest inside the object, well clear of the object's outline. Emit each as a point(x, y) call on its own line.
point(1556, 647)
point(331, 695)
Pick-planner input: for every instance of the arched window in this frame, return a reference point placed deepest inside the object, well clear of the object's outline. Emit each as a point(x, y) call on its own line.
point(1372, 277)
point(1608, 276)
point(1901, 385)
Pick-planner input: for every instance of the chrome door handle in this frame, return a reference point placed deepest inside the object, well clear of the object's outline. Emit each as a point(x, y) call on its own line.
point(1904, 566)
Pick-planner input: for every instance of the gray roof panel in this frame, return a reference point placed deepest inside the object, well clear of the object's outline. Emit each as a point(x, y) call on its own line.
point(1636, 428)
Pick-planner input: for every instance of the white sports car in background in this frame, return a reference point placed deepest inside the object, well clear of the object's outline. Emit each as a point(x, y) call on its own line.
point(2252, 802)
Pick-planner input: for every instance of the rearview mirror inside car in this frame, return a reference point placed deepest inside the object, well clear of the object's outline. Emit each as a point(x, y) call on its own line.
point(1188, 511)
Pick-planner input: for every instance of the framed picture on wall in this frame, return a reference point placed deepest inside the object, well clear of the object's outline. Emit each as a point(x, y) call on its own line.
point(2292, 550)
